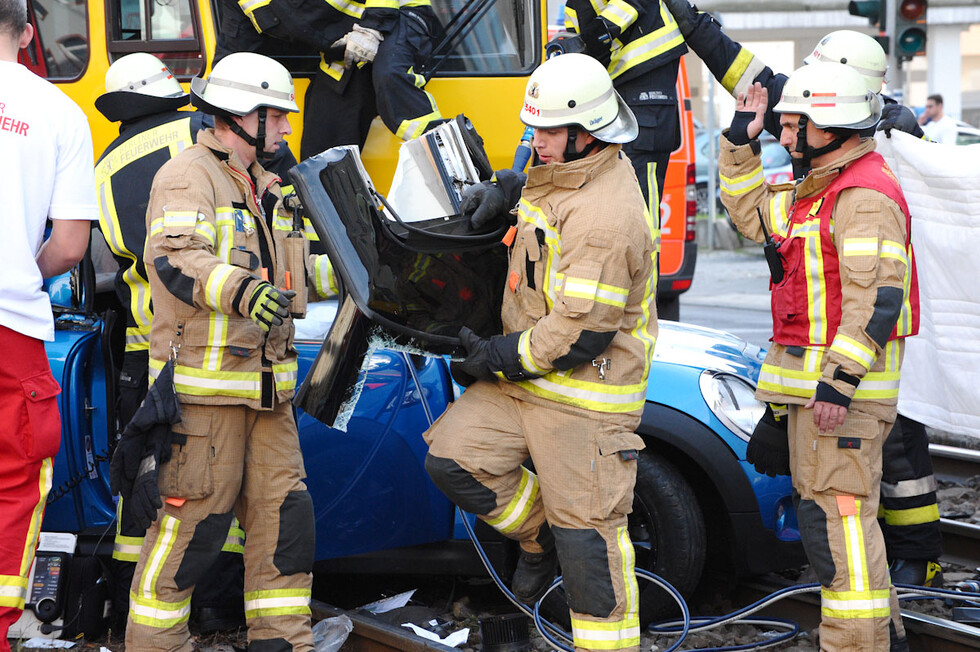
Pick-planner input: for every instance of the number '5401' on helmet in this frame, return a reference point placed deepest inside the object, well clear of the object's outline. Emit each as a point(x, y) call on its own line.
point(243, 82)
point(831, 95)
point(575, 90)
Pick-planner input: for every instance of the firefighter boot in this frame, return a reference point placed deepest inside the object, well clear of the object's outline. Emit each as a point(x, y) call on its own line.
point(919, 572)
point(534, 573)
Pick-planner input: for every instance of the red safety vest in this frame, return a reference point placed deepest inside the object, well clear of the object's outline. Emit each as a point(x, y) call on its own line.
point(806, 306)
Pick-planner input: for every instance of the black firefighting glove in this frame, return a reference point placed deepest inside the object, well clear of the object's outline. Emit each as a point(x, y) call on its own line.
point(482, 204)
point(268, 305)
point(598, 39)
point(738, 133)
point(145, 445)
point(486, 356)
point(685, 14)
point(896, 116)
point(768, 449)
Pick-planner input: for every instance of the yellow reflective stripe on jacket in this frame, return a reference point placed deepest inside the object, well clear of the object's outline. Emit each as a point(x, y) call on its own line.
point(617, 635)
point(571, 19)
point(853, 350)
point(742, 72)
point(855, 604)
point(619, 13)
point(413, 128)
point(803, 383)
point(517, 510)
point(179, 219)
point(144, 606)
point(285, 375)
point(205, 229)
point(816, 280)
point(13, 591)
point(601, 397)
point(248, 8)
point(323, 276)
point(524, 350)
point(277, 602)
point(333, 69)
point(199, 382)
point(860, 247)
point(894, 250)
point(779, 205)
point(217, 340)
point(534, 215)
point(648, 46)
point(740, 185)
point(381, 4)
point(216, 284)
point(137, 338)
point(911, 516)
point(648, 306)
point(175, 136)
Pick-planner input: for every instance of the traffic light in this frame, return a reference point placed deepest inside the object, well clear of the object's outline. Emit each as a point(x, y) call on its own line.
point(910, 28)
point(873, 10)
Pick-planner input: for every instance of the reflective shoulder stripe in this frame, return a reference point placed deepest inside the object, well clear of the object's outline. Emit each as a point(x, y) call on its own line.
point(169, 134)
point(179, 219)
point(571, 19)
point(620, 13)
point(860, 247)
point(643, 49)
point(248, 7)
point(742, 184)
point(894, 250)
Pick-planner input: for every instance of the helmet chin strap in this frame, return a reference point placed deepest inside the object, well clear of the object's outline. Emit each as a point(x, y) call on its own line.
point(803, 165)
point(258, 141)
point(570, 153)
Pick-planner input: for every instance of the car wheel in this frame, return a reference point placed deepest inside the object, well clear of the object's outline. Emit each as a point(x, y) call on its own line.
point(668, 533)
point(701, 191)
point(669, 307)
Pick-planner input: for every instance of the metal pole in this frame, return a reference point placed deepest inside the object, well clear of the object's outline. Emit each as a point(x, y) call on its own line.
point(712, 160)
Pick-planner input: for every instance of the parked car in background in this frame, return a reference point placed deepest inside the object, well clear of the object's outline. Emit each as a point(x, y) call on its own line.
point(966, 134)
point(776, 165)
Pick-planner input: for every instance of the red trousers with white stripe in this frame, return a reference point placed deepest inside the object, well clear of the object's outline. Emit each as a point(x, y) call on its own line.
point(30, 433)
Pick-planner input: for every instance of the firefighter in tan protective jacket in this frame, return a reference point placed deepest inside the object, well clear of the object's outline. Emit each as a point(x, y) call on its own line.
point(227, 266)
point(566, 381)
point(843, 299)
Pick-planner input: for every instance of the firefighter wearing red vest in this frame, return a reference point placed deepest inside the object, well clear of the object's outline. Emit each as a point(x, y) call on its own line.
point(844, 297)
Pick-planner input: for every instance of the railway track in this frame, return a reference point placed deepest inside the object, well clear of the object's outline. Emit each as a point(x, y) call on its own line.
point(961, 540)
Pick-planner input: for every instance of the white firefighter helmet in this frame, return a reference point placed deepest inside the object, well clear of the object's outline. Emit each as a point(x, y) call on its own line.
point(575, 90)
point(138, 85)
point(142, 73)
point(243, 82)
point(857, 50)
point(830, 95)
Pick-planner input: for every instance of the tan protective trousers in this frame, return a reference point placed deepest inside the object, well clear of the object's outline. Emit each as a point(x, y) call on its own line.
point(837, 476)
point(585, 470)
point(236, 462)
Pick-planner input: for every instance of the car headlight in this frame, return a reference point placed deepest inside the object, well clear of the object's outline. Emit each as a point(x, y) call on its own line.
point(733, 401)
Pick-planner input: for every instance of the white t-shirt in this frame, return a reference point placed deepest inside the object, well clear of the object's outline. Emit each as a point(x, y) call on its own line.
point(942, 130)
point(47, 167)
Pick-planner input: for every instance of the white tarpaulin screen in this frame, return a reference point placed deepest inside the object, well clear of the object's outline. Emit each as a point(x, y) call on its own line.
point(941, 373)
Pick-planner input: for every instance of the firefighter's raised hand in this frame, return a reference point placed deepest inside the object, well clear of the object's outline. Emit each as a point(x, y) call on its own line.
point(901, 118)
point(750, 112)
point(361, 45)
point(268, 305)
